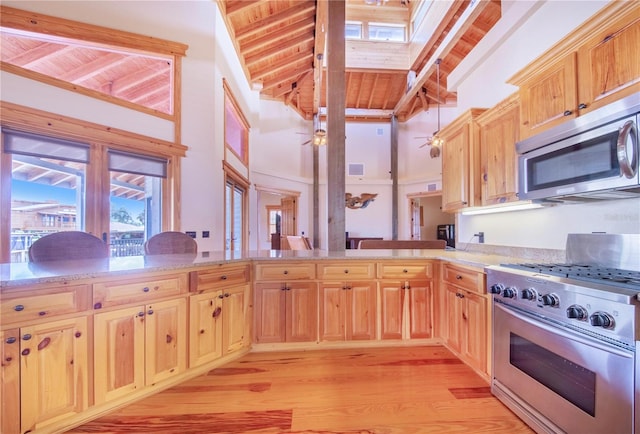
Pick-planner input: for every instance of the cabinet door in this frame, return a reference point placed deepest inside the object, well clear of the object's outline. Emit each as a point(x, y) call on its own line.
point(499, 133)
point(549, 98)
point(392, 295)
point(420, 318)
point(361, 311)
point(455, 318)
point(609, 63)
point(301, 312)
point(53, 372)
point(119, 353)
point(332, 311)
point(205, 328)
point(10, 386)
point(474, 348)
point(270, 316)
point(234, 318)
point(455, 171)
point(165, 340)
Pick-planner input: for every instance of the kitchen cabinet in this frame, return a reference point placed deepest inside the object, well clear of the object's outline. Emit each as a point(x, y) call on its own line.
point(347, 300)
point(44, 356)
point(499, 132)
point(286, 312)
point(593, 66)
point(461, 162)
point(467, 316)
point(138, 346)
point(218, 312)
point(406, 304)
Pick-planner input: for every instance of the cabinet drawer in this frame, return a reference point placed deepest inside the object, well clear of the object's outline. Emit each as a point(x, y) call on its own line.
point(137, 290)
point(417, 270)
point(462, 277)
point(347, 270)
point(218, 277)
point(43, 303)
point(289, 271)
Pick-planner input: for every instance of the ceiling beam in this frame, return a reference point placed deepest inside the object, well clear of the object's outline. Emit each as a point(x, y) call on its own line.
point(266, 24)
point(233, 8)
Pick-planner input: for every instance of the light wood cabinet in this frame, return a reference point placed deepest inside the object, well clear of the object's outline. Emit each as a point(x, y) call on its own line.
point(138, 346)
point(594, 66)
point(499, 132)
point(286, 312)
point(347, 310)
point(406, 304)
point(205, 327)
point(461, 162)
point(235, 319)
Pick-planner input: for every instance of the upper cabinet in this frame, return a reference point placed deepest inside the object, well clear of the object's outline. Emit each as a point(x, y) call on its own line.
point(461, 162)
point(595, 65)
point(499, 133)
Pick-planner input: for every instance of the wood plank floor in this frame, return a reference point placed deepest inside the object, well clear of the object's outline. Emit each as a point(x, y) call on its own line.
point(380, 390)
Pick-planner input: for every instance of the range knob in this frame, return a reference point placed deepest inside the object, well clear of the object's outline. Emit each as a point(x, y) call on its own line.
point(529, 294)
point(578, 312)
point(496, 288)
point(602, 319)
point(550, 300)
point(509, 292)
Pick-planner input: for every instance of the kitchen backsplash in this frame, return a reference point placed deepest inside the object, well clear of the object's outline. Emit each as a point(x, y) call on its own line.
point(517, 253)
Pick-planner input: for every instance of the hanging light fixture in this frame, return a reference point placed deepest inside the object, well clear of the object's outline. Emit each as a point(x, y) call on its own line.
point(436, 142)
point(320, 134)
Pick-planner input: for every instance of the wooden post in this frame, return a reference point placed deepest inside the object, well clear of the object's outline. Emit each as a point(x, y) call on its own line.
point(336, 126)
point(394, 177)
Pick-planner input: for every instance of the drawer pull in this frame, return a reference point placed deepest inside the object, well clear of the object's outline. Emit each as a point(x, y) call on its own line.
point(217, 312)
point(285, 272)
point(26, 337)
point(44, 344)
point(42, 313)
point(405, 271)
point(169, 339)
point(145, 289)
point(78, 334)
point(140, 314)
point(26, 352)
point(346, 271)
point(458, 277)
point(223, 277)
point(567, 113)
point(150, 312)
point(11, 340)
point(19, 308)
point(221, 296)
point(97, 306)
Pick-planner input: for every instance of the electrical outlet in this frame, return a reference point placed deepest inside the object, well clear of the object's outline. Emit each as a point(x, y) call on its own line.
point(205, 234)
point(192, 234)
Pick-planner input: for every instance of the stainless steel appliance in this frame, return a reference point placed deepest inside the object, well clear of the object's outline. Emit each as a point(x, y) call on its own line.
point(565, 337)
point(594, 156)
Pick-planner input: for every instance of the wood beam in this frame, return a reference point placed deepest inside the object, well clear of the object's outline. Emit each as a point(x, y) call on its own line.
point(234, 8)
point(293, 29)
point(274, 20)
point(289, 44)
point(319, 51)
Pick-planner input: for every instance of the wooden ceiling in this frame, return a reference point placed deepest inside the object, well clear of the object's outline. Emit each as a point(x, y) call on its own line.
point(281, 47)
point(279, 43)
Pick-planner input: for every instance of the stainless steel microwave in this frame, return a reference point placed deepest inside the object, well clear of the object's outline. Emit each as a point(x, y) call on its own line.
point(594, 156)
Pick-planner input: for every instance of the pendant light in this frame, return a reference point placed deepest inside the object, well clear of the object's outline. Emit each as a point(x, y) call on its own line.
point(436, 141)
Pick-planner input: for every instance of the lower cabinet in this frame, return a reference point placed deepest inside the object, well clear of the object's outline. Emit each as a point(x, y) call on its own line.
point(347, 311)
point(138, 346)
point(286, 312)
point(467, 330)
point(44, 374)
point(235, 319)
point(405, 309)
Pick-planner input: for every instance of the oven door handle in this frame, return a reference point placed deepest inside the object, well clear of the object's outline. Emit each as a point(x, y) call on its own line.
point(543, 324)
point(627, 150)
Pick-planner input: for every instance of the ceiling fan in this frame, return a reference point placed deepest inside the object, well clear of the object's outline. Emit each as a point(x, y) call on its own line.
point(435, 141)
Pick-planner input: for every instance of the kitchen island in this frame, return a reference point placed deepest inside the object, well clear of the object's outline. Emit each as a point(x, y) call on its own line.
point(81, 338)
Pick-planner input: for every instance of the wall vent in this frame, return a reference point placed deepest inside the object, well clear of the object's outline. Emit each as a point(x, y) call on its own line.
point(356, 169)
point(432, 187)
point(379, 131)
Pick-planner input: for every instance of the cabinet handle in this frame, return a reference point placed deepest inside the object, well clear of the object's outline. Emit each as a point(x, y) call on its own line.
point(26, 337)
point(582, 106)
point(97, 306)
point(44, 344)
point(405, 271)
point(408, 286)
point(145, 289)
point(223, 277)
point(42, 313)
point(150, 312)
point(348, 287)
point(485, 177)
point(78, 334)
point(346, 271)
point(169, 339)
point(217, 312)
point(26, 352)
point(221, 296)
point(403, 287)
point(11, 340)
point(285, 272)
point(567, 113)
point(458, 277)
point(140, 314)
point(287, 288)
point(226, 294)
point(19, 308)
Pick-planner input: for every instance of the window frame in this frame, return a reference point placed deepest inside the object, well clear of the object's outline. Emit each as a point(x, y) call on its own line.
point(233, 177)
point(231, 102)
point(100, 138)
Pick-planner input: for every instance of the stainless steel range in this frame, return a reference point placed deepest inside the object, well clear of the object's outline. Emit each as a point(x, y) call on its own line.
point(565, 337)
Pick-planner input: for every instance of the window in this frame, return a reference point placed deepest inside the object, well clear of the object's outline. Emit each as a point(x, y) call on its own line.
point(235, 199)
point(236, 128)
point(353, 30)
point(135, 201)
point(387, 32)
point(48, 188)
point(274, 220)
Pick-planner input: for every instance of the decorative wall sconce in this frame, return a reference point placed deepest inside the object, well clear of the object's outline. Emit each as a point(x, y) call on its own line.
point(362, 201)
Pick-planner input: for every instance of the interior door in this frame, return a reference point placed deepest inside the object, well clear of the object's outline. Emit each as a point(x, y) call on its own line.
point(289, 209)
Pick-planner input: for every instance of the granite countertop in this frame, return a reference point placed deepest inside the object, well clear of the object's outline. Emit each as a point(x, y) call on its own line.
point(19, 274)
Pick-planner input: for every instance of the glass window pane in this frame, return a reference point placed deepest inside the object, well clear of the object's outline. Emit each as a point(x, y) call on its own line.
point(135, 210)
point(386, 32)
point(47, 195)
point(238, 195)
point(353, 30)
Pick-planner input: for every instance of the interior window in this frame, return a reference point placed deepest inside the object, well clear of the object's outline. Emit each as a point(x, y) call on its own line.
point(236, 128)
point(135, 201)
point(353, 30)
point(48, 188)
point(386, 32)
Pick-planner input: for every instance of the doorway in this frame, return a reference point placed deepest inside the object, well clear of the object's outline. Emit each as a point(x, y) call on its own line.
point(277, 217)
point(426, 214)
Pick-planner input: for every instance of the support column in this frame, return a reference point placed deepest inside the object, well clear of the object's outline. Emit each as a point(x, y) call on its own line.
point(394, 177)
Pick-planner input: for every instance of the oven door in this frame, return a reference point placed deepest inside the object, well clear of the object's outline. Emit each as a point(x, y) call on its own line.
point(559, 381)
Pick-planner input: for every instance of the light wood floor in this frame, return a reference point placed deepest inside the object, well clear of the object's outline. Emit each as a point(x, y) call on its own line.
point(381, 390)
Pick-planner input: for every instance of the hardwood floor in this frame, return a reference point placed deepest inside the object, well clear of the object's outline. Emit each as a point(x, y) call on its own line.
point(379, 390)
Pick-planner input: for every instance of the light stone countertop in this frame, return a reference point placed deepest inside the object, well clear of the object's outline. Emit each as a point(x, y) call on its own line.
point(20, 274)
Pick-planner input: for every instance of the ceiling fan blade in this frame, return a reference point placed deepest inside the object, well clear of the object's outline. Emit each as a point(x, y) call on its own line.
point(306, 143)
point(423, 145)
